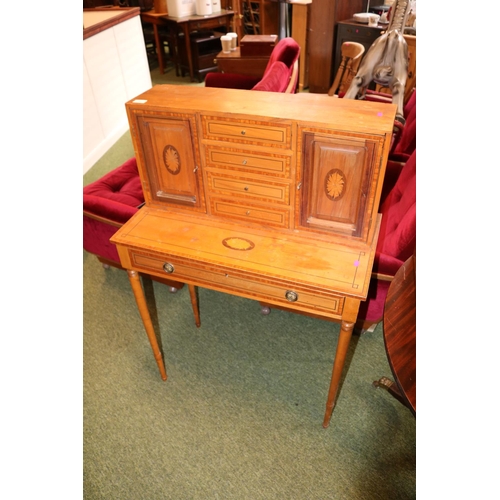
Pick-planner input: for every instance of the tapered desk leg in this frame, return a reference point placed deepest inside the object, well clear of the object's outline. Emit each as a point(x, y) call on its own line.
point(348, 321)
point(135, 281)
point(194, 303)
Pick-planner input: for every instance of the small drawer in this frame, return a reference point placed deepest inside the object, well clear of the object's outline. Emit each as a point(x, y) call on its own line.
point(248, 161)
point(251, 213)
point(240, 283)
point(247, 132)
point(272, 192)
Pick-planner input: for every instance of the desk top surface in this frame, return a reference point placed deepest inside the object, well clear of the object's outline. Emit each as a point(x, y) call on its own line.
point(323, 265)
point(318, 109)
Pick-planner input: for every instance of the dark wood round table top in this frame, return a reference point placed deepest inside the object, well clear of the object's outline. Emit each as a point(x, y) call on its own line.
point(400, 331)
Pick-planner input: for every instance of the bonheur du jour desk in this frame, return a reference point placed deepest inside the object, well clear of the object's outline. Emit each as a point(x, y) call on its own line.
point(268, 196)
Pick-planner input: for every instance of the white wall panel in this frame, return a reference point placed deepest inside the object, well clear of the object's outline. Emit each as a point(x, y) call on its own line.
point(115, 69)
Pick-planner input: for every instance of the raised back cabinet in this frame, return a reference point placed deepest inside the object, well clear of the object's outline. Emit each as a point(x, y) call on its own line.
point(308, 164)
point(268, 196)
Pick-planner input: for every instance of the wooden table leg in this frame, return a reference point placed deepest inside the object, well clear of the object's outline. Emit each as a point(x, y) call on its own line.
point(187, 40)
point(135, 282)
point(349, 317)
point(159, 49)
point(193, 292)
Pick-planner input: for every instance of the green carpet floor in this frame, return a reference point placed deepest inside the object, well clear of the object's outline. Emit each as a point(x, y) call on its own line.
point(240, 416)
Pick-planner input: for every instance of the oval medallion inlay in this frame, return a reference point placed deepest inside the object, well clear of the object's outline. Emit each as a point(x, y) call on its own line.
point(238, 244)
point(335, 183)
point(172, 159)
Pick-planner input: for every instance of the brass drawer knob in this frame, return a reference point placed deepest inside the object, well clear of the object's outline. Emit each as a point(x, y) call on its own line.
point(168, 268)
point(291, 296)
point(243, 132)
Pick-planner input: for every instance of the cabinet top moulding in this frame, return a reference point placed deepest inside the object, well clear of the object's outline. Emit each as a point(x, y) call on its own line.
point(316, 109)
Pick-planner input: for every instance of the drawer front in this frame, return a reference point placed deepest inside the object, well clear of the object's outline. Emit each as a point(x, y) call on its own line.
point(247, 132)
point(246, 188)
point(208, 23)
point(248, 161)
point(237, 283)
point(250, 213)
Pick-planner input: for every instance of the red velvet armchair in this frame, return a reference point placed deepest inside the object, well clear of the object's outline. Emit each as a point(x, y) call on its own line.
point(108, 203)
point(397, 241)
point(281, 73)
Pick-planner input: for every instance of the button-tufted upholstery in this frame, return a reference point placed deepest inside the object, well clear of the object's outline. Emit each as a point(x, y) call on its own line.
point(107, 204)
point(397, 239)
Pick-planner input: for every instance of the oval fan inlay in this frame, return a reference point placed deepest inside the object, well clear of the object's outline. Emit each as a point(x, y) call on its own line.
point(335, 183)
point(172, 159)
point(238, 244)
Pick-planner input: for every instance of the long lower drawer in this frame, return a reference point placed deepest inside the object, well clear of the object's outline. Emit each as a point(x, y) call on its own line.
point(237, 282)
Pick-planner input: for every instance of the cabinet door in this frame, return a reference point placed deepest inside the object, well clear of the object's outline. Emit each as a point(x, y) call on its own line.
point(168, 148)
point(338, 183)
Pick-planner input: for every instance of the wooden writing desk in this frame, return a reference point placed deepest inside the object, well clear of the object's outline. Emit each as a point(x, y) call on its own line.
point(269, 196)
point(188, 24)
point(184, 25)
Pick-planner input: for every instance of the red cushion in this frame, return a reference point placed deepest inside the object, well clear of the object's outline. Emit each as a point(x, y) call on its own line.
point(397, 239)
point(121, 185)
point(287, 50)
point(114, 197)
point(407, 143)
point(276, 78)
point(398, 229)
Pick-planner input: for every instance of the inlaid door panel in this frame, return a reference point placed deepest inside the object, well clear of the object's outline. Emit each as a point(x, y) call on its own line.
point(172, 158)
point(337, 183)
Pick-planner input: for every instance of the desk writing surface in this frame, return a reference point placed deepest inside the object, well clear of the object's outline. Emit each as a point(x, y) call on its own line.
point(319, 265)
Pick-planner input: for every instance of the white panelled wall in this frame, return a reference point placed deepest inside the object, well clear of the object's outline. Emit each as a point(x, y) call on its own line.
point(115, 70)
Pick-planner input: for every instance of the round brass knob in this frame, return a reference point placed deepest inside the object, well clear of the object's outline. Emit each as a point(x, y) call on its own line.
point(245, 162)
point(246, 188)
point(291, 296)
point(168, 268)
point(243, 132)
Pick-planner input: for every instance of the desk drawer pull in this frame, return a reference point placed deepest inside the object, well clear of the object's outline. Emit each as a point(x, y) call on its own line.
point(243, 132)
point(168, 268)
point(291, 296)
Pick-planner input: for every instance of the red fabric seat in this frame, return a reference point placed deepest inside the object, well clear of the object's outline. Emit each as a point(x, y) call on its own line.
point(107, 204)
point(397, 239)
point(280, 75)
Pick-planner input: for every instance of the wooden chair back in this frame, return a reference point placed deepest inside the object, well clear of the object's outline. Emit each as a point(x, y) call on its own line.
point(352, 53)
